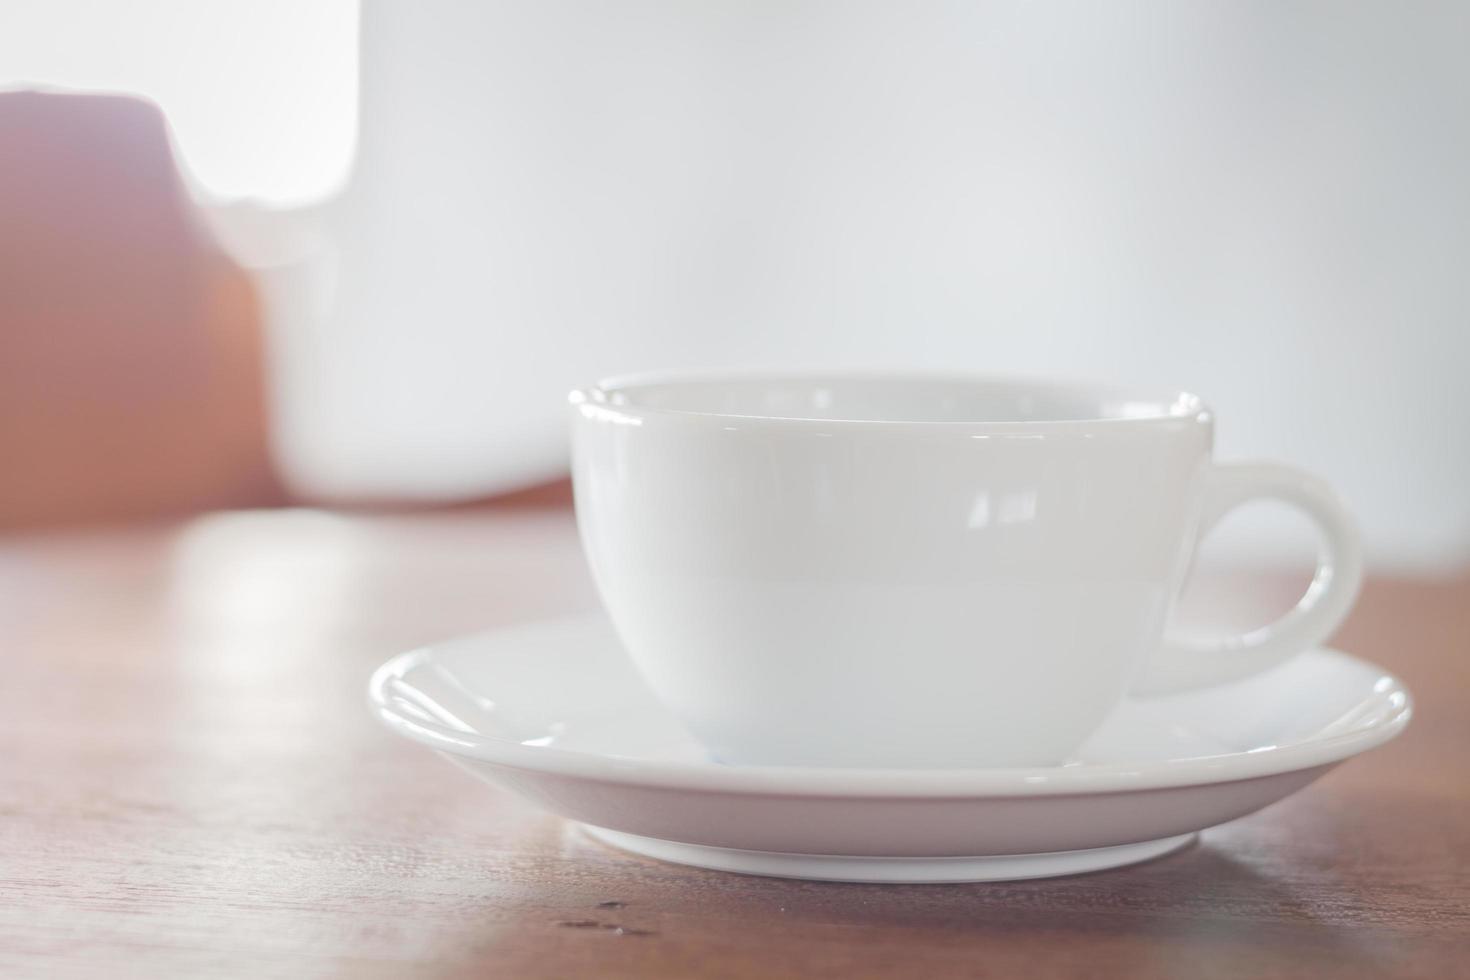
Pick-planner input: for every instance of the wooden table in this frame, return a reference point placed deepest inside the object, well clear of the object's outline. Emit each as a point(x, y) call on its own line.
point(192, 787)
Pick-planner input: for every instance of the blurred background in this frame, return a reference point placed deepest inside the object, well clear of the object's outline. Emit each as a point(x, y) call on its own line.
point(348, 255)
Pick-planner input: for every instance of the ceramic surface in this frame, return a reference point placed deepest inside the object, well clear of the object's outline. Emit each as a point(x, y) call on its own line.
point(556, 712)
point(917, 571)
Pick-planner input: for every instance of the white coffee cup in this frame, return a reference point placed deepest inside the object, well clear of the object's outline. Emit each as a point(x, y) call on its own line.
point(917, 571)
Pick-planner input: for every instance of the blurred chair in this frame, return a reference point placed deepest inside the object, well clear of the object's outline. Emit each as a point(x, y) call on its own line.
point(131, 361)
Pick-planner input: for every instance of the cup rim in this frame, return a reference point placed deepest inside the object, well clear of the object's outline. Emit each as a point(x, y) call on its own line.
point(1167, 408)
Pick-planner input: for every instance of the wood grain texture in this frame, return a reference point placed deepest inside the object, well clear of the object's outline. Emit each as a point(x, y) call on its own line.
point(191, 786)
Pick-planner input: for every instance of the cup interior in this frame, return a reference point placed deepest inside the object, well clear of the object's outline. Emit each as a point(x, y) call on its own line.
point(897, 399)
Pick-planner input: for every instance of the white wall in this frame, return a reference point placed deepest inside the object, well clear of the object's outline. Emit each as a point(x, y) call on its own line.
point(1263, 202)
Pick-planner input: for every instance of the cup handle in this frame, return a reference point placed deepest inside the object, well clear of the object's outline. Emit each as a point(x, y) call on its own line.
point(1185, 662)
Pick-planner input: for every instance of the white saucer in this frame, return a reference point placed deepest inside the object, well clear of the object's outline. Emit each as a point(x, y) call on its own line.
point(556, 713)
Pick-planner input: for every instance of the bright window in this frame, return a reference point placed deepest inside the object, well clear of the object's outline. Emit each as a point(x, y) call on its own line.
point(261, 96)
